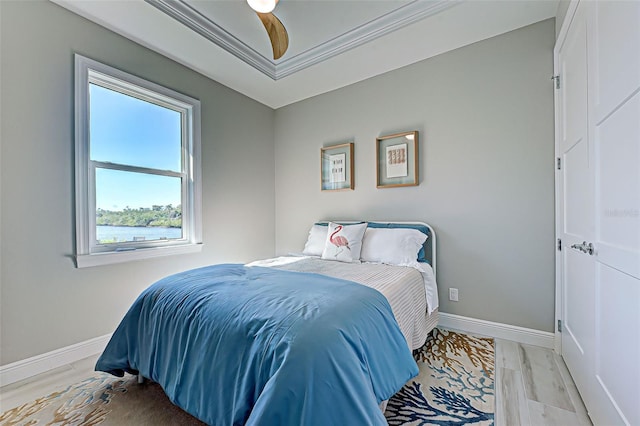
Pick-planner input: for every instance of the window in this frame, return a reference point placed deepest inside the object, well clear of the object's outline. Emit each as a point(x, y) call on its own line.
point(137, 167)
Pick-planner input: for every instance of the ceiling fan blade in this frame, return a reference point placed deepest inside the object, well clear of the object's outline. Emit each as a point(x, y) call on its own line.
point(277, 33)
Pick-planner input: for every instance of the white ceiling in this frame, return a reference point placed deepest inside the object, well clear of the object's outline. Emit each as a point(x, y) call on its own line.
point(332, 43)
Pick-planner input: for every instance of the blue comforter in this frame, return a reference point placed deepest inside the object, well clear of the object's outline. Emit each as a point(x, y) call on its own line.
point(237, 345)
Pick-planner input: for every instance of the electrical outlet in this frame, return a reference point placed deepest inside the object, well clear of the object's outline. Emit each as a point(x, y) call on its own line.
point(453, 294)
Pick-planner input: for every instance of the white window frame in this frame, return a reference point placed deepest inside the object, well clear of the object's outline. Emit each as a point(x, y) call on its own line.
point(88, 251)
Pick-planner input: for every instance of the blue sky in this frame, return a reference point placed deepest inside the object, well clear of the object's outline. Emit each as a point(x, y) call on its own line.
point(126, 130)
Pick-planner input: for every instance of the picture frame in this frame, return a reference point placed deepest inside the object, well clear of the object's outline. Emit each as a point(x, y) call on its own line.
point(336, 167)
point(397, 160)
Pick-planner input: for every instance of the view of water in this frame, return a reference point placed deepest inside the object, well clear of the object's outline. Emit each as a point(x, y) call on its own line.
point(132, 233)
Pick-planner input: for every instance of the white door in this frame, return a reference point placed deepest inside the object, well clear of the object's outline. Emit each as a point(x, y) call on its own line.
point(576, 209)
point(615, 61)
point(600, 206)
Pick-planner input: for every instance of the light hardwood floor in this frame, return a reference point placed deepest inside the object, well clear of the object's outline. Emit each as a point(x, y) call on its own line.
point(533, 387)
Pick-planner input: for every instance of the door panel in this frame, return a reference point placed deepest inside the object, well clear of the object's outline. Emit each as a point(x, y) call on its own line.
point(579, 314)
point(578, 197)
point(578, 337)
point(618, 328)
point(616, 47)
point(615, 81)
point(574, 87)
point(599, 197)
point(618, 188)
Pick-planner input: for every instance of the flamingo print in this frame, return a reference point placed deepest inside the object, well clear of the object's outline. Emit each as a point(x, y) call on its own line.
point(339, 241)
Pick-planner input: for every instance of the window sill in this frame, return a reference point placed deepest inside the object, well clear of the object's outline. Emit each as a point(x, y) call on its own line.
point(109, 258)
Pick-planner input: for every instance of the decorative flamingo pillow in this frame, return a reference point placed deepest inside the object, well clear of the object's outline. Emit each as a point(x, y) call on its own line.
point(344, 242)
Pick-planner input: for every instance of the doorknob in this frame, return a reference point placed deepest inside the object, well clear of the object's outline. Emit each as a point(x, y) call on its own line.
point(589, 249)
point(584, 247)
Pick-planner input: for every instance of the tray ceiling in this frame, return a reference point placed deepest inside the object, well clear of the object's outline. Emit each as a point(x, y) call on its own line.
point(332, 43)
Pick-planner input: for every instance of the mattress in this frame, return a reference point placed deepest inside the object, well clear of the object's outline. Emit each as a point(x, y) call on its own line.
point(404, 287)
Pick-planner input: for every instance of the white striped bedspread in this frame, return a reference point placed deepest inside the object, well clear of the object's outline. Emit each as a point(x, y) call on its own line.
point(403, 286)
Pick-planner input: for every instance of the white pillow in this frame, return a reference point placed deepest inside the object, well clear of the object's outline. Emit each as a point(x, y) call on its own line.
point(344, 242)
point(395, 246)
point(315, 241)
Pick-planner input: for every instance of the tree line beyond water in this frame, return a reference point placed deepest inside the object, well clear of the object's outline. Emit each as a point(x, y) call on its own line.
point(165, 216)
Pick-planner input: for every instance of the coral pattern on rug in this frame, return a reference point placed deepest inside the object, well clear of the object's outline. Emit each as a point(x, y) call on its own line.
point(455, 385)
point(101, 400)
point(85, 403)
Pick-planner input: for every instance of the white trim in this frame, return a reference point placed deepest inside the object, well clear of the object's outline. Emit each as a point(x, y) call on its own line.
point(110, 257)
point(20, 370)
point(558, 177)
point(498, 330)
point(392, 21)
point(87, 248)
point(200, 24)
point(566, 22)
point(404, 15)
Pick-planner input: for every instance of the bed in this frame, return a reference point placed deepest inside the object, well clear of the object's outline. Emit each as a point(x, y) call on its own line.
point(300, 339)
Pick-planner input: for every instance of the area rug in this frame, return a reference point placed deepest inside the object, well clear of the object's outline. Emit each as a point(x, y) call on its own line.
point(454, 387)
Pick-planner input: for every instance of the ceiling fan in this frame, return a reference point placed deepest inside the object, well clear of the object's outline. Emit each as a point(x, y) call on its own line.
point(276, 31)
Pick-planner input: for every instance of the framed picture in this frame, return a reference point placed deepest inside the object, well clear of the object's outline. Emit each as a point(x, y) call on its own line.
point(336, 167)
point(397, 160)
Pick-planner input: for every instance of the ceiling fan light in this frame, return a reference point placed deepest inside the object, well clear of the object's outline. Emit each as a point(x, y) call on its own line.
point(262, 6)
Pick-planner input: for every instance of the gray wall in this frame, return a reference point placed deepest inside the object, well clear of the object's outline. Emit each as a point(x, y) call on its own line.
point(563, 7)
point(46, 302)
point(485, 117)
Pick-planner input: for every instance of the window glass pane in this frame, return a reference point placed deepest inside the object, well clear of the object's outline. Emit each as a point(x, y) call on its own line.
point(148, 210)
point(127, 130)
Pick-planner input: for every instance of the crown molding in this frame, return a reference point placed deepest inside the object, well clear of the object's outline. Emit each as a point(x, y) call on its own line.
point(385, 24)
point(194, 20)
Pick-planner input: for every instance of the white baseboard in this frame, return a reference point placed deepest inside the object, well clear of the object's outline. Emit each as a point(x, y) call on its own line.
point(19, 370)
point(497, 330)
point(29, 367)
